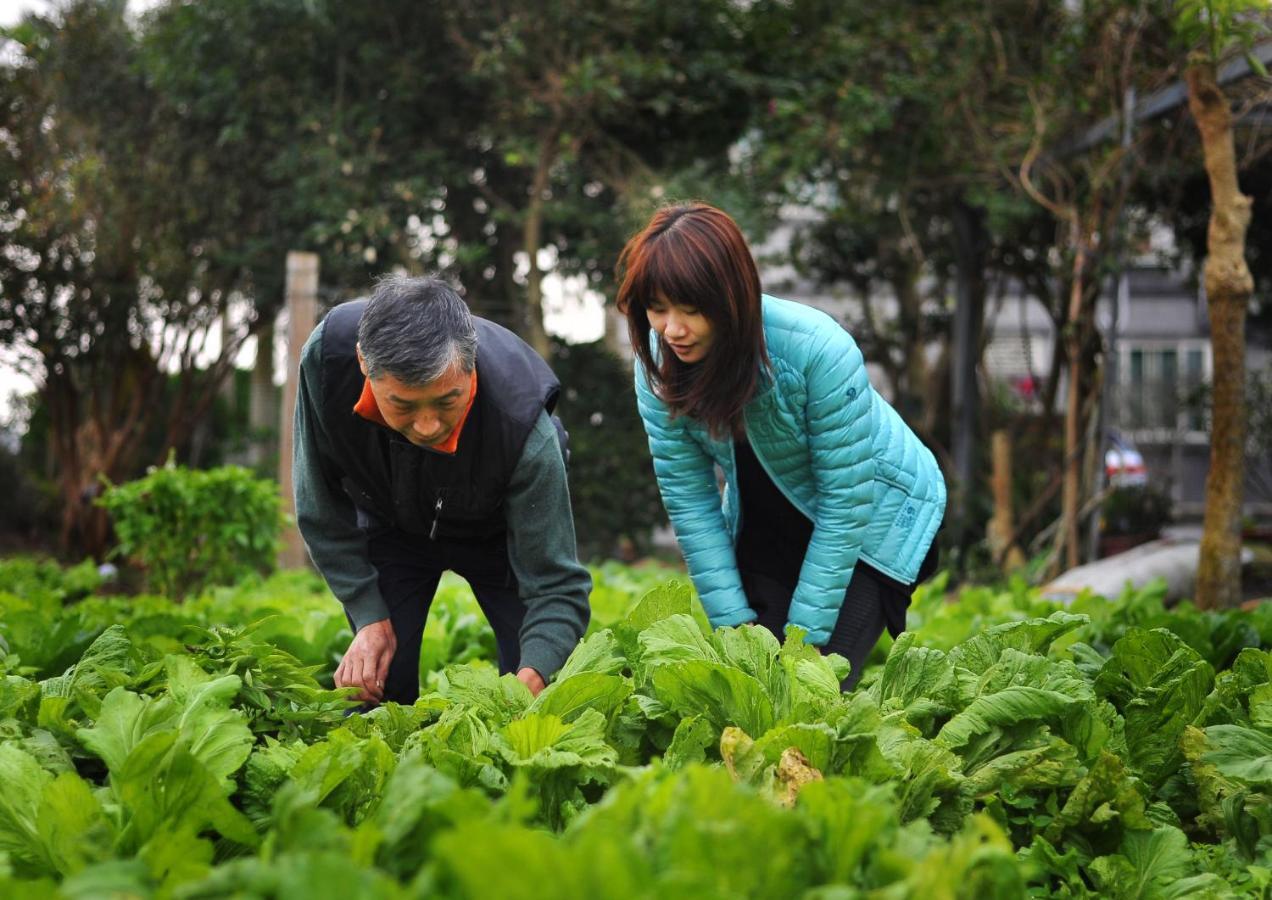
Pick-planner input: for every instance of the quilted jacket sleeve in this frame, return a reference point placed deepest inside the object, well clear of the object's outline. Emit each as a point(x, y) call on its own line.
point(687, 482)
point(839, 410)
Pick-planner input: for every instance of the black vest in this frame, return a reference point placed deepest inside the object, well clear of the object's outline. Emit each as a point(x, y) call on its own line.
point(423, 492)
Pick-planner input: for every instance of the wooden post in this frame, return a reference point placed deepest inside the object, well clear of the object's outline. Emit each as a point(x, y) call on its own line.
point(263, 414)
point(970, 245)
point(302, 303)
point(1002, 526)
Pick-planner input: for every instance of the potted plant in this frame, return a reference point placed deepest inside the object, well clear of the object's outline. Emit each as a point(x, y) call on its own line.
point(1132, 515)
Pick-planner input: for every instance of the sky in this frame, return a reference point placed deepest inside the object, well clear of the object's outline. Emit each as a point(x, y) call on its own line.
point(12, 10)
point(569, 311)
point(11, 379)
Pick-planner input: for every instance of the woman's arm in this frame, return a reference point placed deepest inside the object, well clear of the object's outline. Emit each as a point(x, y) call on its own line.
point(839, 411)
point(687, 482)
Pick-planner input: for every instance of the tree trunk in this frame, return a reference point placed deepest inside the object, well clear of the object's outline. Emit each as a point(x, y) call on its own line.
point(1070, 495)
point(970, 244)
point(912, 387)
point(1228, 288)
point(535, 334)
point(264, 403)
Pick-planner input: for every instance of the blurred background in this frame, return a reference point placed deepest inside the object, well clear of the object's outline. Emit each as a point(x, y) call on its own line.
point(1007, 204)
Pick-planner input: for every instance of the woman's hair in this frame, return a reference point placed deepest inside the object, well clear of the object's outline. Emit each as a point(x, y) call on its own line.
point(694, 255)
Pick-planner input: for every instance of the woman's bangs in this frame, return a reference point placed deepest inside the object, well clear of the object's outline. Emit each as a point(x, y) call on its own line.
point(683, 280)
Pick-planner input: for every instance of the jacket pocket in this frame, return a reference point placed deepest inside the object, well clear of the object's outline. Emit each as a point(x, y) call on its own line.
point(900, 531)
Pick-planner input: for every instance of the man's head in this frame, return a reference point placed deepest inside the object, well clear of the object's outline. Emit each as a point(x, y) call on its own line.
point(418, 347)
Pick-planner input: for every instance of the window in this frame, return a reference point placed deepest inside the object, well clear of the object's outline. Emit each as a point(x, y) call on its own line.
point(1159, 396)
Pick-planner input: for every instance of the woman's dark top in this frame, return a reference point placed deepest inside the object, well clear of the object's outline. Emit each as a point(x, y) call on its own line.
point(775, 534)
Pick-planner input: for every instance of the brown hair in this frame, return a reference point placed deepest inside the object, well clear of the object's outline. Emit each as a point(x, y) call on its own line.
point(695, 255)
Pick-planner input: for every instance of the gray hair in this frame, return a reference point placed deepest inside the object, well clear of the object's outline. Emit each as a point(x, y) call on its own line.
point(416, 329)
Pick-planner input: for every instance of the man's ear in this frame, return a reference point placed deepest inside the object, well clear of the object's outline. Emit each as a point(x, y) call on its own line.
point(362, 363)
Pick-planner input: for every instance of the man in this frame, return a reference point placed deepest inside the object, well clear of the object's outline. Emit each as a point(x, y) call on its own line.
point(424, 442)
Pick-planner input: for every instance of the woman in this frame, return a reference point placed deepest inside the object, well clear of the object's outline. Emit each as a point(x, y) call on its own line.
point(831, 504)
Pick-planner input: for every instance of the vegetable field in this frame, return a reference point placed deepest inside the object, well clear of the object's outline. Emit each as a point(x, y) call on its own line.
point(1004, 747)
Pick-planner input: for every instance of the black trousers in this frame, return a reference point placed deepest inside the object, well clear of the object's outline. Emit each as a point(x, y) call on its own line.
point(410, 568)
point(872, 603)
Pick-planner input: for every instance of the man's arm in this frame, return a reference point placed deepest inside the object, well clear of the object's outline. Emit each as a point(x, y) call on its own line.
point(541, 548)
point(328, 523)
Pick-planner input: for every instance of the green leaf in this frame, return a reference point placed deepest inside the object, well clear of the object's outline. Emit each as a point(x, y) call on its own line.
point(599, 653)
point(216, 735)
point(568, 698)
point(543, 742)
point(1153, 865)
point(1160, 685)
point(1106, 794)
point(497, 698)
point(724, 694)
point(673, 639)
point(1240, 753)
point(178, 858)
point(751, 648)
point(919, 680)
point(420, 802)
point(847, 820)
point(663, 602)
point(1054, 764)
point(811, 688)
point(125, 719)
point(1010, 706)
point(694, 736)
point(166, 789)
point(1032, 636)
point(345, 773)
point(48, 826)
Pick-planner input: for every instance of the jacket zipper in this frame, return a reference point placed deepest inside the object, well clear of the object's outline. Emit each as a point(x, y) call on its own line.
point(437, 514)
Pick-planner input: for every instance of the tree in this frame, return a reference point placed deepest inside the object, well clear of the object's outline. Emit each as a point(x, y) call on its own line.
point(460, 138)
point(922, 138)
point(585, 105)
point(1217, 26)
point(157, 171)
point(1103, 53)
point(106, 285)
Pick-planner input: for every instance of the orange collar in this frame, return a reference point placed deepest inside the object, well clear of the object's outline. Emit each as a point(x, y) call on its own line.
point(370, 410)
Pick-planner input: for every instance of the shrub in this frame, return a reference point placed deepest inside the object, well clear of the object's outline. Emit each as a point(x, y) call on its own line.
point(190, 529)
point(1135, 510)
point(612, 485)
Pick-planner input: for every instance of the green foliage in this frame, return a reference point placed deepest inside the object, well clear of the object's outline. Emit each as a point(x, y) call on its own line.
point(190, 529)
point(1134, 510)
point(1219, 25)
point(213, 146)
point(1005, 746)
point(612, 488)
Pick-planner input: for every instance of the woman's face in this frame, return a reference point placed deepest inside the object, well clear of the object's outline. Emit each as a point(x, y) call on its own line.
point(686, 331)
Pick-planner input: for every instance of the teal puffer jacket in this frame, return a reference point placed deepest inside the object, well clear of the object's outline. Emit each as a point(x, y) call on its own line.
point(835, 449)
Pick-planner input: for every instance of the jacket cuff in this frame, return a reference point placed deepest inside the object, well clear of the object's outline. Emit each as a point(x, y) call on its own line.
point(542, 656)
point(739, 616)
point(366, 609)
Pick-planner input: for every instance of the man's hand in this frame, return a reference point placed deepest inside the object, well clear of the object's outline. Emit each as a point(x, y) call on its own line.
point(531, 679)
point(366, 663)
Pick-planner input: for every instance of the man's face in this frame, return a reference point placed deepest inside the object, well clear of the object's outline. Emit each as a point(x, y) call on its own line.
point(427, 414)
